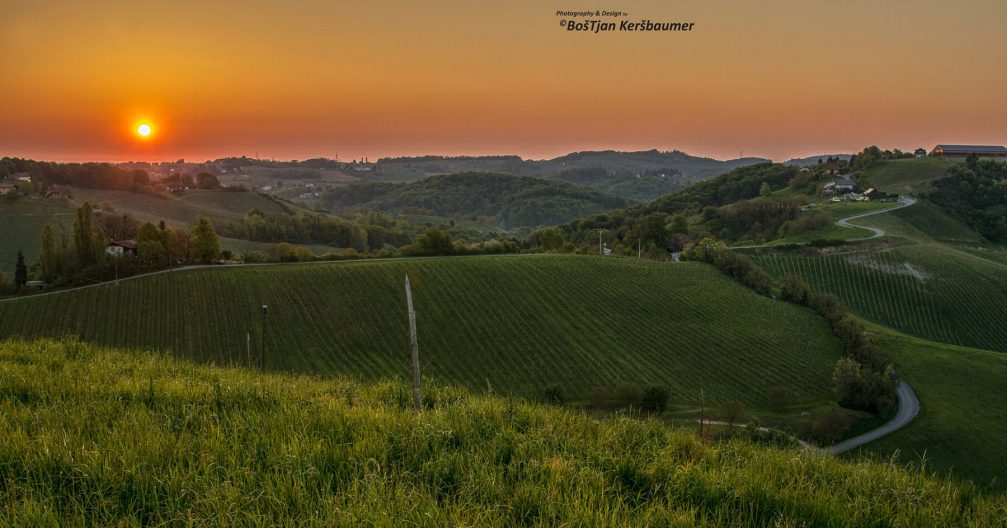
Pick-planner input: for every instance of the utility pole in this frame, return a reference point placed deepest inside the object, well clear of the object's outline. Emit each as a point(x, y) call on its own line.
point(702, 411)
point(414, 346)
point(600, 251)
point(639, 247)
point(248, 349)
point(262, 349)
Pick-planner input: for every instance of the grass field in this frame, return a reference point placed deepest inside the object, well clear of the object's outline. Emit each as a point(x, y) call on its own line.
point(924, 223)
point(931, 291)
point(515, 324)
point(908, 176)
point(21, 224)
point(95, 437)
point(963, 417)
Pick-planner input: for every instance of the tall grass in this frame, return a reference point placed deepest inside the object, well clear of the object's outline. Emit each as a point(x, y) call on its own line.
point(94, 436)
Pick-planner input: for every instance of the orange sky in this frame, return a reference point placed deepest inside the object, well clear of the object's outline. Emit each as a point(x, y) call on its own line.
point(306, 78)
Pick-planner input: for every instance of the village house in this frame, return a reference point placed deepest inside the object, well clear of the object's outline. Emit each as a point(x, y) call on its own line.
point(118, 248)
point(7, 188)
point(921, 153)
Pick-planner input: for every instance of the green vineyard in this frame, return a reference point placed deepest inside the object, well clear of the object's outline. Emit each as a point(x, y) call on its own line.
point(511, 324)
point(21, 223)
point(930, 291)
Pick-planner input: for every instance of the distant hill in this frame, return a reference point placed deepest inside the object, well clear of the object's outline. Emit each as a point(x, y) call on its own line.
point(513, 201)
point(632, 175)
point(813, 160)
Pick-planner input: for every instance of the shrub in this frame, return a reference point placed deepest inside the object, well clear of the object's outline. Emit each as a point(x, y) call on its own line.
point(553, 394)
point(732, 412)
point(831, 425)
point(597, 398)
point(655, 398)
point(629, 394)
point(794, 290)
point(779, 398)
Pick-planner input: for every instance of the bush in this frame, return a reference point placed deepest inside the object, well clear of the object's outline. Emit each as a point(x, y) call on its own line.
point(831, 425)
point(794, 290)
point(655, 398)
point(597, 398)
point(827, 306)
point(629, 394)
point(779, 398)
point(732, 412)
point(553, 394)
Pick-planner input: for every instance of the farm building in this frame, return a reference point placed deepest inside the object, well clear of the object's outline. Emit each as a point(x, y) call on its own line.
point(965, 150)
point(119, 248)
point(7, 187)
point(921, 153)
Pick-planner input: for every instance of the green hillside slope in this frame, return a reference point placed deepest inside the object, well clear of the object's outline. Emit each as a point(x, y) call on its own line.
point(109, 438)
point(515, 324)
point(908, 176)
point(963, 417)
point(931, 291)
point(22, 221)
point(514, 201)
point(219, 206)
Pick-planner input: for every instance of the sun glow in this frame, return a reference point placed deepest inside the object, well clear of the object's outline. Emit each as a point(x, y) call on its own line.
point(144, 130)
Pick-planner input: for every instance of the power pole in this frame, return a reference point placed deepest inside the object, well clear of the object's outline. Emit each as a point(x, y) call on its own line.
point(702, 411)
point(414, 346)
point(262, 349)
point(600, 251)
point(639, 247)
point(248, 349)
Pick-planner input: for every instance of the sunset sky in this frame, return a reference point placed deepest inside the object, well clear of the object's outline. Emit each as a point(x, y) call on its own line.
point(309, 78)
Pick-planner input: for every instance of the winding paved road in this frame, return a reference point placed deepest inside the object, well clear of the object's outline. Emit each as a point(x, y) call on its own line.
point(909, 407)
point(878, 233)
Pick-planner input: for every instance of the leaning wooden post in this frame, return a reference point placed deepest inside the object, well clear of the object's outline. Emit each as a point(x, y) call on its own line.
point(414, 346)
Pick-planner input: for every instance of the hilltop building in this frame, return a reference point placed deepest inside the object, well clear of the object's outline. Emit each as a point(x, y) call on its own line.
point(964, 150)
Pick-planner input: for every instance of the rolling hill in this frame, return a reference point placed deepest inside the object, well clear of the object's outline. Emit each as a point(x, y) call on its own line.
point(94, 436)
point(516, 324)
point(513, 201)
point(631, 175)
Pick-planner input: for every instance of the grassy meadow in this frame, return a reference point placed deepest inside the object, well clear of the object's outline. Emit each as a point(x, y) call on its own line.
point(94, 436)
point(908, 176)
point(511, 324)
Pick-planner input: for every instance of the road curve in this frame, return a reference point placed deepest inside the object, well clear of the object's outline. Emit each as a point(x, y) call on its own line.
point(878, 233)
point(909, 407)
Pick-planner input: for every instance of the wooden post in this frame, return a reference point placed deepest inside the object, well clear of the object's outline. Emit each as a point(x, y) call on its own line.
point(414, 346)
point(702, 411)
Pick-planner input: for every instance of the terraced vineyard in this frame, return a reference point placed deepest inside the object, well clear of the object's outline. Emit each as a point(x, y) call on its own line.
point(515, 324)
point(21, 223)
point(930, 291)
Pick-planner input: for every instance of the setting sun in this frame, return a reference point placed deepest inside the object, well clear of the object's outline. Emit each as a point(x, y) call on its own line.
point(144, 130)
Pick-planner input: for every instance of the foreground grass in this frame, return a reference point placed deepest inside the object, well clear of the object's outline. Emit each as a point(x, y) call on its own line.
point(94, 436)
point(511, 324)
point(963, 420)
